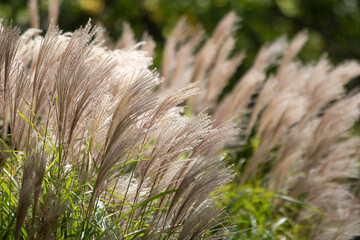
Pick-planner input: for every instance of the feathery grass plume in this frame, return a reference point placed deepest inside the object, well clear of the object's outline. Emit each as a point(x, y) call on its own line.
point(33, 9)
point(237, 101)
point(127, 38)
point(53, 9)
point(94, 151)
point(9, 43)
point(297, 119)
point(211, 65)
point(300, 117)
point(127, 41)
point(177, 66)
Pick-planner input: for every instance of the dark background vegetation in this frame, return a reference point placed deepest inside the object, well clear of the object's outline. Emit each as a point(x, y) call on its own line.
point(334, 25)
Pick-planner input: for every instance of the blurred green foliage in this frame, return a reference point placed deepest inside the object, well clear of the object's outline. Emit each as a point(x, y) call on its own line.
point(333, 24)
point(261, 213)
point(257, 216)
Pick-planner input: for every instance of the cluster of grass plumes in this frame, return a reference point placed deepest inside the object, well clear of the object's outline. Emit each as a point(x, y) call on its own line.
point(90, 151)
point(94, 146)
point(296, 119)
